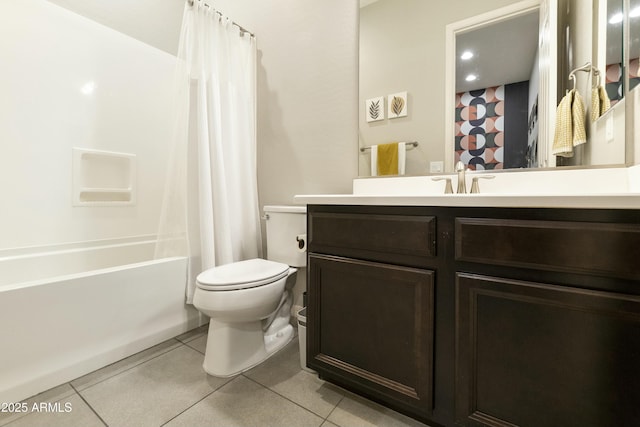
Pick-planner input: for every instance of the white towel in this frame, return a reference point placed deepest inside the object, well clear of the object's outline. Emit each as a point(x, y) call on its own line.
point(402, 159)
point(374, 160)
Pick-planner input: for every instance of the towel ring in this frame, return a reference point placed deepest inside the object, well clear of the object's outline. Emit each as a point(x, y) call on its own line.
point(596, 74)
point(587, 68)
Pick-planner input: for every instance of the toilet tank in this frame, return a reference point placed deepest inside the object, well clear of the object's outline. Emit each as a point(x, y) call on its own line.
point(284, 225)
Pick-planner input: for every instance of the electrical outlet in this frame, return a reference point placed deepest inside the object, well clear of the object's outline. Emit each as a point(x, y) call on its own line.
point(436, 167)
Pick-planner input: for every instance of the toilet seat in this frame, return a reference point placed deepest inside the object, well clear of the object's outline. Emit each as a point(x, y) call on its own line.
point(241, 275)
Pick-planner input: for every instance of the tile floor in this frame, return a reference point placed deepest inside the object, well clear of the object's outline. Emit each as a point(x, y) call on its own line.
point(166, 386)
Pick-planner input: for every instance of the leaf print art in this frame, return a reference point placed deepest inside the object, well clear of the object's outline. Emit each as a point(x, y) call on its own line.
point(374, 110)
point(397, 104)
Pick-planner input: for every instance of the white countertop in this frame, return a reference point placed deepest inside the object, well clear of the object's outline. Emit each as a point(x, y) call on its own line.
point(596, 201)
point(596, 188)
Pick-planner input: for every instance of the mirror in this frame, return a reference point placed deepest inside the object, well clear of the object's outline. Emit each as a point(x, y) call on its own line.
point(496, 88)
point(607, 135)
point(402, 49)
point(634, 44)
point(608, 47)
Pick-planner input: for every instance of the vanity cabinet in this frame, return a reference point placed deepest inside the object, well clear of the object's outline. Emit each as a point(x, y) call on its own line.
point(371, 299)
point(479, 316)
point(548, 319)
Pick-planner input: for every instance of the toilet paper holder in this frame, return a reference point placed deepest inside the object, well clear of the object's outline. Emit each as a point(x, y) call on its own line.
point(302, 241)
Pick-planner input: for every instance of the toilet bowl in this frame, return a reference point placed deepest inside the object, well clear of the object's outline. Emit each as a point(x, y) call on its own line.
point(241, 299)
point(249, 302)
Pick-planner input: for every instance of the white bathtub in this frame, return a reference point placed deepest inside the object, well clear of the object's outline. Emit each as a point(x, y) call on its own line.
point(70, 309)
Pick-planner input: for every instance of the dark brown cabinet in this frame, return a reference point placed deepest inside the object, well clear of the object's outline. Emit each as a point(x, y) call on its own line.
point(373, 327)
point(534, 354)
point(479, 316)
point(371, 298)
point(560, 348)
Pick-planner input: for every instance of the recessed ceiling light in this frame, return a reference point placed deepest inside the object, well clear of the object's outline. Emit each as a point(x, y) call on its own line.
point(634, 12)
point(616, 18)
point(471, 77)
point(467, 54)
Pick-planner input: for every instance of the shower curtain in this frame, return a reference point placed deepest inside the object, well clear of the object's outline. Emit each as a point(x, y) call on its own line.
point(210, 209)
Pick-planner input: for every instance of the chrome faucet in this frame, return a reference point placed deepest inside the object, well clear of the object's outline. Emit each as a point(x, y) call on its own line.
point(462, 183)
point(475, 187)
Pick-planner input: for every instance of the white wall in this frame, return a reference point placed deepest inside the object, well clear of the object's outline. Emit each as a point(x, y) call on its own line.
point(155, 22)
point(48, 55)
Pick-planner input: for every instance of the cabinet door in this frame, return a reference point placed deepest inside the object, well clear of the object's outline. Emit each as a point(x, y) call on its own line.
point(531, 354)
point(370, 327)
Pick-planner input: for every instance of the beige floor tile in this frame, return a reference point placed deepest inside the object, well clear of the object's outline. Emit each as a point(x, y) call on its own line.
point(355, 411)
point(242, 403)
point(328, 424)
point(282, 373)
point(79, 414)
point(193, 334)
point(199, 344)
point(153, 392)
point(124, 364)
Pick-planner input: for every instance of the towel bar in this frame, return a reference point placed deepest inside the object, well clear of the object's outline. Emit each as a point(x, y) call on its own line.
point(408, 144)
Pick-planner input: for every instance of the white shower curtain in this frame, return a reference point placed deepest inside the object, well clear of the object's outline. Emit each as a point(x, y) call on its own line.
point(210, 210)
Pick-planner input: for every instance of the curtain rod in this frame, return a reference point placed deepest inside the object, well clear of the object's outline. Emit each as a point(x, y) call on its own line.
point(242, 29)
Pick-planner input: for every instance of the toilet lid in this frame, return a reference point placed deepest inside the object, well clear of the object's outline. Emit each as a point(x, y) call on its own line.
point(242, 274)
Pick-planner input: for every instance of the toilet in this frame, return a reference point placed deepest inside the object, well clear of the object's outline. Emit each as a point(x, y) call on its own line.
point(249, 302)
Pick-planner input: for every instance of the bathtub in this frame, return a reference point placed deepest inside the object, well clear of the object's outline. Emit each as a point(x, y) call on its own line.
point(67, 310)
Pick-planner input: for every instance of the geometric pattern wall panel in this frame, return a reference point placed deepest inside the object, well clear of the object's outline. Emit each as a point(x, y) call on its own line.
point(479, 139)
point(613, 83)
point(492, 127)
point(614, 79)
point(634, 73)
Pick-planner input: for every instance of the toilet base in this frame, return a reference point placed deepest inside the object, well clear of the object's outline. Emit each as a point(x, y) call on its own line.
point(233, 348)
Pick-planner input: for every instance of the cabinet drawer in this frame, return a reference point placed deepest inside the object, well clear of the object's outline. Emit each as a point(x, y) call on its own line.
point(400, 239)
point(575, 247)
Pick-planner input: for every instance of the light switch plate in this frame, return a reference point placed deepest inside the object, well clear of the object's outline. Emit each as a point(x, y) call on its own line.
point(609, 128)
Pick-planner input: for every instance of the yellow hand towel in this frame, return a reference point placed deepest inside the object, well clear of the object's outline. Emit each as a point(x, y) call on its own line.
point(562, 141)
point(570, 130)
point(388, 159)
point(600, 102)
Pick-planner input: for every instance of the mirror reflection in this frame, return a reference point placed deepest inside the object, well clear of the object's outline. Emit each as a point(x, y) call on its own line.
point(402, 51)
point(611, 46)
point(634, 43)
point(496, 105)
